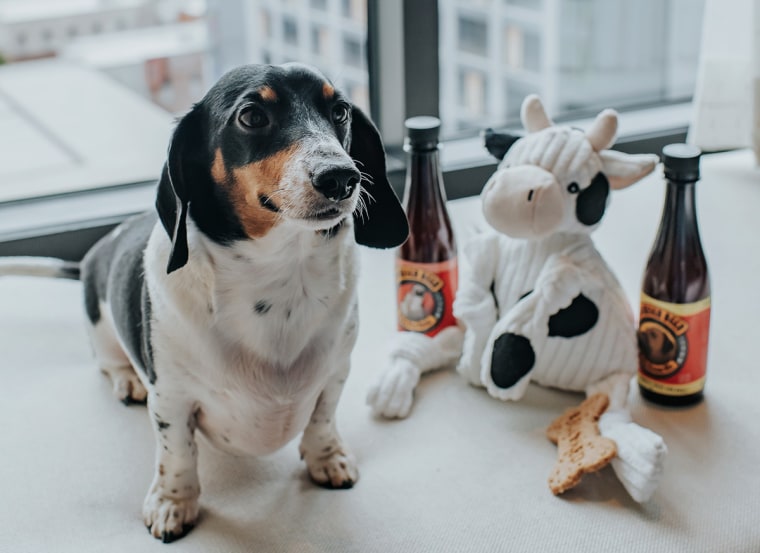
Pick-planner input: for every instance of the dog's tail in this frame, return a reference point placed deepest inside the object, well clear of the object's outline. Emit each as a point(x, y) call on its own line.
point(49, 267)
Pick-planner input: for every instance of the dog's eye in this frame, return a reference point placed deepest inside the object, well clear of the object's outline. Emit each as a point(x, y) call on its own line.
point(253, 117)
point(340, 113)
point(573, 188)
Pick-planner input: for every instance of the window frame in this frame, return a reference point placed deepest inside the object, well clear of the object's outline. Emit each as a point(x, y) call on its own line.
point(40, 226)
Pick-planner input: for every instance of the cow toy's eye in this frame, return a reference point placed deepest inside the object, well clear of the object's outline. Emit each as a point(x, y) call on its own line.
point(573, 188)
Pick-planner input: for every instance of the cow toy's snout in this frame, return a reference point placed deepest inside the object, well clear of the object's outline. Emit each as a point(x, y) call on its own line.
point(523, 202)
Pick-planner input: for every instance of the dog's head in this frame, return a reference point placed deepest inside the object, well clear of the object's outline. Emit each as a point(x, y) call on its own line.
point(269, 144)
point(656, 345)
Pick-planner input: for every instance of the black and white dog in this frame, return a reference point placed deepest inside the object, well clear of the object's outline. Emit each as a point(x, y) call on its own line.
point(233, 309)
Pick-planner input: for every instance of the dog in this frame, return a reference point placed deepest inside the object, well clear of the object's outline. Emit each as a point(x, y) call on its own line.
point(232, 309)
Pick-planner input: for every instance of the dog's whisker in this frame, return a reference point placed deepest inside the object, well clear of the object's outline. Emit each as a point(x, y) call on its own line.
point(367, 177)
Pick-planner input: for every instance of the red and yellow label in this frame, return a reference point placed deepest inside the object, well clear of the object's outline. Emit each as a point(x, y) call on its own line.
point(425, 295)
point(673, 346)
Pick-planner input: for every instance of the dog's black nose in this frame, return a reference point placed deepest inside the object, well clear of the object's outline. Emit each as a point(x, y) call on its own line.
point(337, 184)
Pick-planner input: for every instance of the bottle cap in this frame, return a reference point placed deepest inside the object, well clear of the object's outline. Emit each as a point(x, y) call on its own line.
point(422, 132)
point(681, 162)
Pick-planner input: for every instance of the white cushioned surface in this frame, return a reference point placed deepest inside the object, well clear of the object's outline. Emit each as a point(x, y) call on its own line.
point(465, 473)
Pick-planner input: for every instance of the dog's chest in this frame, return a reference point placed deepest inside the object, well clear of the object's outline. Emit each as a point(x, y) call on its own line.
point(275, 308)
point(267, 338)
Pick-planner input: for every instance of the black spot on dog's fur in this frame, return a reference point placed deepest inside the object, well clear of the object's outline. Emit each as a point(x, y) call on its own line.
point(576, 319)
point(261, 307)
point(162, 425)
point(513, 357)
point(333, 231)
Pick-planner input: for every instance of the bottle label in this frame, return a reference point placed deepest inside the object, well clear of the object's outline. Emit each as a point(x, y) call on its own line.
point(673, 346)
point(425, 295)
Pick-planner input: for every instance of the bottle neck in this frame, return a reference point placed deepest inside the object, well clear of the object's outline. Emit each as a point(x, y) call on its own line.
point(677, 269)
point(679, 216)
point(424, 181)
point(431, 239)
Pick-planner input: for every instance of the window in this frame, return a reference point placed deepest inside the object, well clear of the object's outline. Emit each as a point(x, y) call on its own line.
point(290, 31)
point(580, 55)
point(353, 53)
point(473, 36)
point(470, 61)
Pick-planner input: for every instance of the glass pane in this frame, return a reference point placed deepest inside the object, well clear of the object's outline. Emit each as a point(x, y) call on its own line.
point(579, 55)
point(113, 62)
point(328, 34)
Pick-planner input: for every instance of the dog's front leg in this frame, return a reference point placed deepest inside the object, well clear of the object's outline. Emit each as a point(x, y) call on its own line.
point(171, 506)
point(329, 462)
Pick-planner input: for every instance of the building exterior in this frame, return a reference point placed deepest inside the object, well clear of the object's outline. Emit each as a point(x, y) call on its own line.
point(577, 54)
point(328, 34)
point(32, 29)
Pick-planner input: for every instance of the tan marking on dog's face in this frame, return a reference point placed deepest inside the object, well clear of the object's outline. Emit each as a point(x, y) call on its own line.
point(267, 94)
point(328, 91)
point(218, 169)
point(248, 183)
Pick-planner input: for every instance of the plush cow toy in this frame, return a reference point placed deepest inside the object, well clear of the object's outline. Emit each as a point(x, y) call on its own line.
point(539, 303)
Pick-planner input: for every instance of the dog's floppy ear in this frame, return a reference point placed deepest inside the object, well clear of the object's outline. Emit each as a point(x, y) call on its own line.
point(380, 221)
point(175, 189)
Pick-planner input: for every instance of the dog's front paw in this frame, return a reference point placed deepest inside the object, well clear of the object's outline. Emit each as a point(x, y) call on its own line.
point(168, 518)
point(337, 470)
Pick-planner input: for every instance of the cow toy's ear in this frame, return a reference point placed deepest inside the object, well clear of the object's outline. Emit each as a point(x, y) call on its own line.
point(623, 170)
point(498, 144)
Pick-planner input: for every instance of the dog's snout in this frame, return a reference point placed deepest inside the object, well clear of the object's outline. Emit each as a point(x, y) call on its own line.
point(337, 184)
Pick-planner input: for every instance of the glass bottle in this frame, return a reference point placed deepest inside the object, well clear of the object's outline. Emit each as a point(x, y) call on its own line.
point(426, 264)
point(674, 321)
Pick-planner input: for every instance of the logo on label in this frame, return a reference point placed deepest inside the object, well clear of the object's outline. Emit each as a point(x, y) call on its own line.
point(673, 346)
point(662, 345)
point(425, 297)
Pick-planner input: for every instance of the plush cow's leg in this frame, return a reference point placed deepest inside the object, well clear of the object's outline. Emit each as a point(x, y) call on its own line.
point(641, 453)
point(392, 393)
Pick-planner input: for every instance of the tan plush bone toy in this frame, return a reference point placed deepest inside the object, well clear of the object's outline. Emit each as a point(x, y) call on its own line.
point(539, 304)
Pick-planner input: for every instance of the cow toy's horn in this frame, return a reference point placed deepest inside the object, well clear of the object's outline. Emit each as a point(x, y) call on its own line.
point(602, 133)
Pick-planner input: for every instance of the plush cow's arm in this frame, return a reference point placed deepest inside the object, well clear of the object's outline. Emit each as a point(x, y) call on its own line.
point(475, 306)
point(562, 279)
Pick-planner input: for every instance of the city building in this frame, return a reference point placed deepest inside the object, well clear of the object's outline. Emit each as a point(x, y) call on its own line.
point(577, 54)
point(32, 29)
point(328, 34)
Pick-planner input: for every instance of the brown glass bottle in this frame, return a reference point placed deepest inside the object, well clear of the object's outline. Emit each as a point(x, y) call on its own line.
point(675, 303)
point(426, 264)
